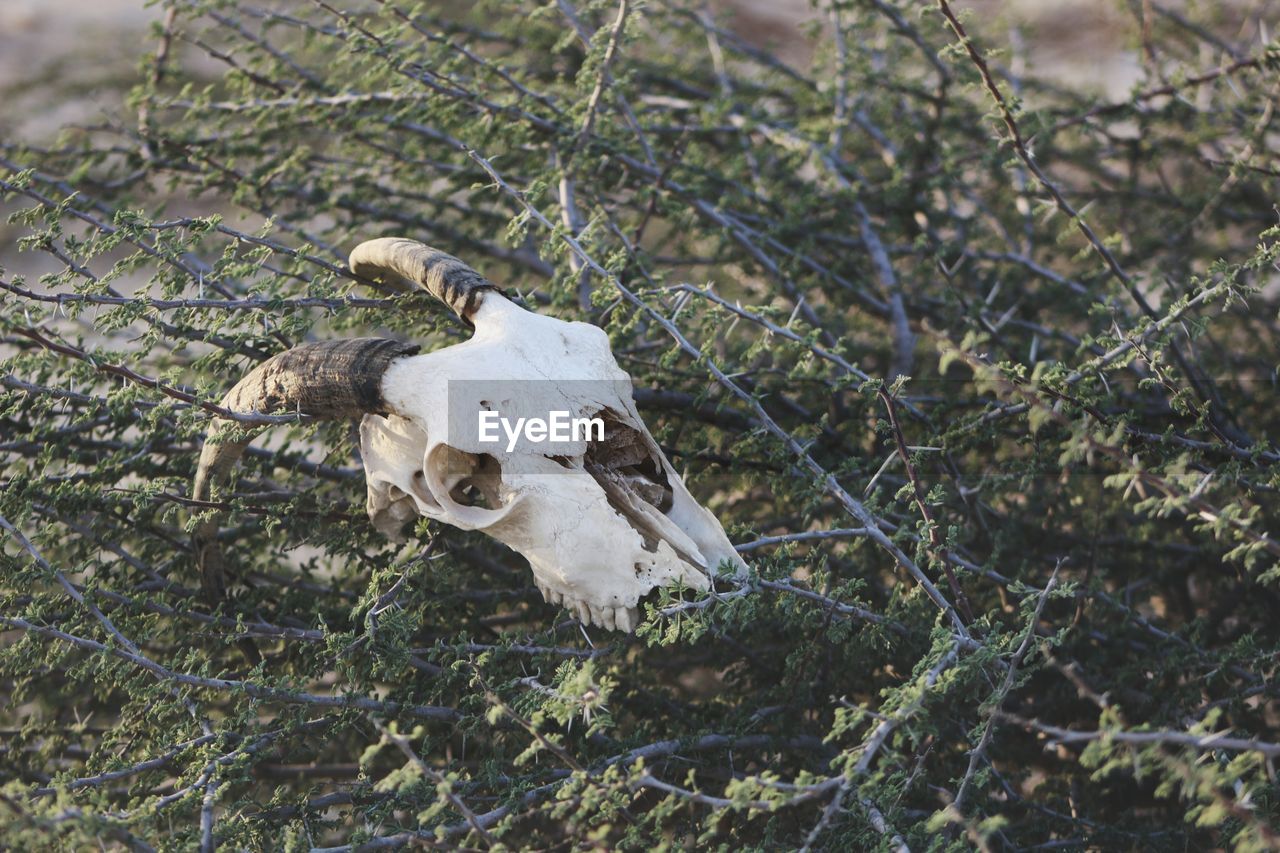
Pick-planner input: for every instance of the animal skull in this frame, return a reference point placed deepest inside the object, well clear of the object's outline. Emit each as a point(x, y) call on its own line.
point(602, 518)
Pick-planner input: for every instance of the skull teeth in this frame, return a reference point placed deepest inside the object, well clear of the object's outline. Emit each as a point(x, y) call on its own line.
point(611, 618)
point(626, 618)
point(549, 595)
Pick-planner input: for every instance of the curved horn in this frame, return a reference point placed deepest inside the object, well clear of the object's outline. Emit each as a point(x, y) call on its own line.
point(333, 379)
point(442, 275)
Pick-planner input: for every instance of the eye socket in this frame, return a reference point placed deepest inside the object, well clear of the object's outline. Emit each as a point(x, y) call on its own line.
point(467, 493)
point(481, 488)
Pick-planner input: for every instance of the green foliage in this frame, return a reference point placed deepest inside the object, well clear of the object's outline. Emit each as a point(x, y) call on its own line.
point(979, 371)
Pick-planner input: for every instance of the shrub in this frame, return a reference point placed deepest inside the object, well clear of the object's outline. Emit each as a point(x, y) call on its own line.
point(978, 369)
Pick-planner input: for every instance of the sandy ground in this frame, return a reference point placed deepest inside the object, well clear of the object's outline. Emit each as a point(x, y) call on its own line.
point(88, 49)
point(1079, 43)
point(64, 61)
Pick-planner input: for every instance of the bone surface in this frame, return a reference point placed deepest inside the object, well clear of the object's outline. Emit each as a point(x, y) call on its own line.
point(596, 542)
point(602, 519)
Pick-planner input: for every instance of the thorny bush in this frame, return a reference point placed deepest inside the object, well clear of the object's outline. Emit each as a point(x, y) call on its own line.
point(979, 371)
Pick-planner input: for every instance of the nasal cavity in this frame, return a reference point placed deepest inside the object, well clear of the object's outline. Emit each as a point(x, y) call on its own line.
point(625, 460)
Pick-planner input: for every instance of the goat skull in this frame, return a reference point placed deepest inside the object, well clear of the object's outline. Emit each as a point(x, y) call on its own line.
point(602, 521)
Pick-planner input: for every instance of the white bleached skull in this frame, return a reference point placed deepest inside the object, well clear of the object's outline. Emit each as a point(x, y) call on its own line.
point(601, 519)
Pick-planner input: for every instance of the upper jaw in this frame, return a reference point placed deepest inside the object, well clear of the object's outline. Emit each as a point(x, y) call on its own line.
point(618, 618)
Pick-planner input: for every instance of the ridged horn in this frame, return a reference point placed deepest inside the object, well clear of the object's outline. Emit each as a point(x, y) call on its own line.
point(409, 262)
point(333, 380)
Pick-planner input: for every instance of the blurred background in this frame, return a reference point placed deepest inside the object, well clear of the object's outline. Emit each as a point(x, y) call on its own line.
point(67, 66)
point(66, 61)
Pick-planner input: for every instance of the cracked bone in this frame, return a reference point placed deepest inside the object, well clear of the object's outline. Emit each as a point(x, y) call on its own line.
point(601, 520)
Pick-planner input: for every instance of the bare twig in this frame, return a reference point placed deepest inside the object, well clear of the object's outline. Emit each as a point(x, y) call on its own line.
point(936, 542)
point(979, 752)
